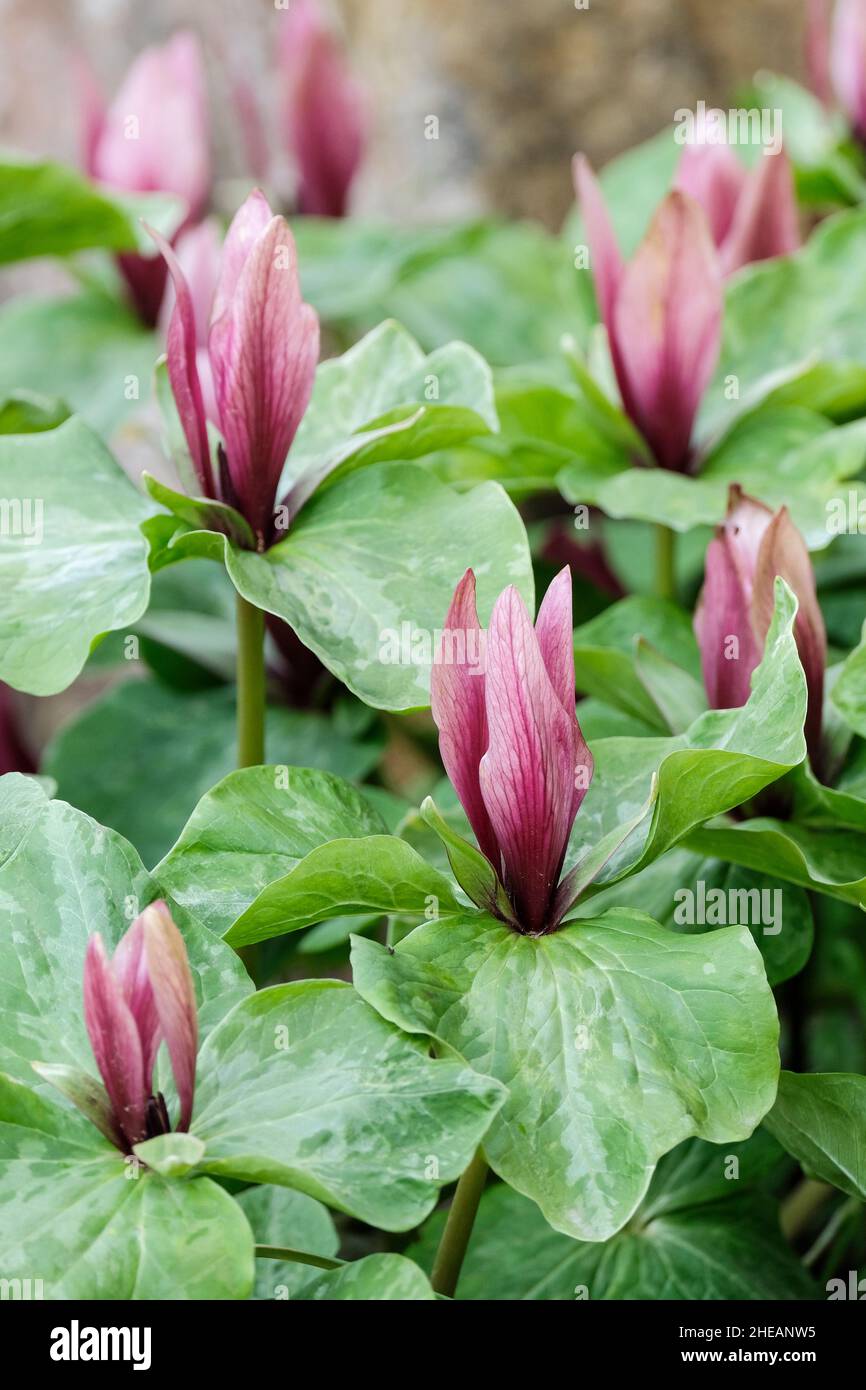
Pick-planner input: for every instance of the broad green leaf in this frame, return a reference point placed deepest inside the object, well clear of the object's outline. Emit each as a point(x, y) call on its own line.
point(784, 456)
point(377, 874)
point(685, 891)
point(849, 690)
point(366, 575)
point(89, 1224)
point(697, 1235)
point(87, 349)
point(279, 1216)
point(62, 877)
point(251, 830)
point(73, 562)
point(512, 292)
point(176, 747)
point(724, 759)
point(376, 1278)
point(49, 210)
point(821, 1119)
point(828, 860)
point(616, 1039)
point(25, 412)
point(306, 1086)
point(386, 391)
point(606, 653)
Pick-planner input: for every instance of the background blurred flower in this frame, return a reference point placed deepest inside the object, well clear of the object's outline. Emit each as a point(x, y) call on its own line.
point(154, 137)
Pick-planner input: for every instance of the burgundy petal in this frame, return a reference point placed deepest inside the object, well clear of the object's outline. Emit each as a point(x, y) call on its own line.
point(715, 178)
point(527, 775)
point(173, 991)
point(264, 347)
point(554, 629)
point(322, 112)
point(181, 352)
point(245, 228)
point(115, 1041)
point(156, 133)
point(667, 324)
point(784, 553)
point(457, 703)
point(130, 970)
point(607, 262)
point(766, 222)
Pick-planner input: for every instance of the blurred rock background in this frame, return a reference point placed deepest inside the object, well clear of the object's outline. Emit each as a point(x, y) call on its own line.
point(516, 85)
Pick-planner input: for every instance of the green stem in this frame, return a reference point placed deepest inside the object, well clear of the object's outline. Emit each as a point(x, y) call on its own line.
point(458, 1227)
point(301, 1257)
point(251, 684)
point(801, 1205)
point(665, 577)
point(830, 1231)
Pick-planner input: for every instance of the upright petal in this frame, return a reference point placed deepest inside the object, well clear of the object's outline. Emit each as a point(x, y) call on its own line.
point(131, 972)
point(731, 643)
point(91, 106)
point(554, 629)
point(263, 349)
point(848, 61)
point(607, 262)
point(527, 774)
point(156, 134)
point(729, 650)
point(181, 353)
point(715, 178)
point(458, 708)
point(173, 991)
point(818, 49)
point(322, 111)
point(247, 225)
point(115, 1041)
point(784, 553)
point(667, 323)
point(765, 222)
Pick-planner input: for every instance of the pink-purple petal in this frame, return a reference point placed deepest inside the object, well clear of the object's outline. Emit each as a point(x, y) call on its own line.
point(181, 354)
point(264, 348)
point(527, 775)
point(606, 259)
point(715, 178)
point(322, 112)
point(174, 993)
point(766, 223)
point(115, 1042)
point(458, 707)
point(667, 325)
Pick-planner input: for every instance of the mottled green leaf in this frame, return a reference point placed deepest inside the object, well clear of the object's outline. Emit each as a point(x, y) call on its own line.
point(375, 1278)
point(616, 1039)
point(821, 1120)
point(251, 830)
point(73, 562)
point(306, 1086)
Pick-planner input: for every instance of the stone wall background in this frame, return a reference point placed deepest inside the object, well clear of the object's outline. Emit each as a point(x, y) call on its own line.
point(517, 85)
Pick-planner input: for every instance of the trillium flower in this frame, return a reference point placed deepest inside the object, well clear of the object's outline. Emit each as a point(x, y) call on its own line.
point(322, 111)
point(752, 213)
point(662, 312)
point(254, 378)
point(752, 546)
point(154, 137)
point(504, 704)
point(133, 1001)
